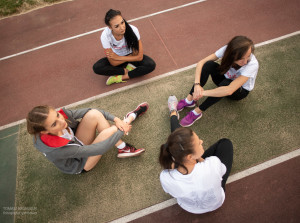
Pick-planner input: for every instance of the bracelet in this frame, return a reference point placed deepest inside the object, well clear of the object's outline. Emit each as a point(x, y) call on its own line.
point(196, 84)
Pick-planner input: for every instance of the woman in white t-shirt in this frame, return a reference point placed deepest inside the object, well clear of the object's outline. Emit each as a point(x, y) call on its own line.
point(235, 77)
point(123, 49)
point(196, 178)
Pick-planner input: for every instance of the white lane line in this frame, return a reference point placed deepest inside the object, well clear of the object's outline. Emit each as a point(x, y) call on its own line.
point(97, 30)
point(144, 82)
point(277, 39)
point(231, 179)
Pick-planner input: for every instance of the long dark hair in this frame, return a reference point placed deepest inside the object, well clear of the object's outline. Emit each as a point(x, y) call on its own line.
point(130, 37)
point(178, 146)
point(236, 49)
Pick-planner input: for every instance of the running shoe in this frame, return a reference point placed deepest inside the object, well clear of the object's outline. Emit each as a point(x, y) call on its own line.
point(140, 110)
point(172, 104)
point(182, 104)
point(114, 80)
point(130, 67)
point(129, 151)
point(189, 119)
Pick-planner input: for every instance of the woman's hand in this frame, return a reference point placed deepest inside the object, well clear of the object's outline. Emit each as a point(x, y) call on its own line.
point(110, 54)
point(123, 126)
point(197, 92)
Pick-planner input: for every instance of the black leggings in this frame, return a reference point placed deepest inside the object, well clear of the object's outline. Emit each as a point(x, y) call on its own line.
point(211, 68)
point(103, 67)
point(222, 149)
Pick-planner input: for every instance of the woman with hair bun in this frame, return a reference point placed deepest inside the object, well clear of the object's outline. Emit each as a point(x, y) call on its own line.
point(123, 49)
point(196, 178)
point(235, 77)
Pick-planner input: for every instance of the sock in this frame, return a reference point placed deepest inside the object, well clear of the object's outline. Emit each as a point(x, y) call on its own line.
point(196, 113)
point(133, 115)
point(187, 101)
point(122, 145)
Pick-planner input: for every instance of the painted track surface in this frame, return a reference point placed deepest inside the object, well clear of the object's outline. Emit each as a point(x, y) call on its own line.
point(62, 74)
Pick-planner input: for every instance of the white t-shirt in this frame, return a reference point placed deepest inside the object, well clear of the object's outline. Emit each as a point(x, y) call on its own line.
point(201, 190)
point(249, 70)
point(118, 47)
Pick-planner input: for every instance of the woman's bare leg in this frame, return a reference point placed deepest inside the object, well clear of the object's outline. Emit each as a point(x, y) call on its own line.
point(86, 132)
point(105, 134)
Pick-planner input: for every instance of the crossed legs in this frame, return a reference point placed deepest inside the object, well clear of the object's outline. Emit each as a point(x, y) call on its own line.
point(86, 132)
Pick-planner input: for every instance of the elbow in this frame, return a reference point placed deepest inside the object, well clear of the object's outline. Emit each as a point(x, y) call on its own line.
point(140, 57)
point(229, 92)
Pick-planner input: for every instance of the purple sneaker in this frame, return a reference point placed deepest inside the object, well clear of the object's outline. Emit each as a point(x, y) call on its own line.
point(189, 119)
point(182, 104)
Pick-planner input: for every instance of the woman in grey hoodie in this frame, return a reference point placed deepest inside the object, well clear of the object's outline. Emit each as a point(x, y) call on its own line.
point(68, 138)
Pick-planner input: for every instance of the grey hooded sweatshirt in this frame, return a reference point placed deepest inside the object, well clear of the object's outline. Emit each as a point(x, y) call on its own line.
point(70, 156)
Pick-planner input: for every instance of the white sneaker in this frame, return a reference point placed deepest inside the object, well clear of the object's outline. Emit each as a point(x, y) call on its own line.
point(172, 104)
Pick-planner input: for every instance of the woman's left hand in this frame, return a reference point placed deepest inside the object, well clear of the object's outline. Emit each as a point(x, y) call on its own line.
point(123, 126)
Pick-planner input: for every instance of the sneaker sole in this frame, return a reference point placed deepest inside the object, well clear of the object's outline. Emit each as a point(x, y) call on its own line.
point(190, 106)
point(126, 155)
point(192, 122)
point(107, 82)
point(137, 108)
point(113, 83)
point(131, 65)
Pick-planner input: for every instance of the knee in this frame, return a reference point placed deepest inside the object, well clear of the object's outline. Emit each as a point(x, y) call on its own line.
point(226, 143)
point(93, 114)
point(152, 65)
point(149, 63)
point(210, 65)
point(97, 69)
point(99, 66)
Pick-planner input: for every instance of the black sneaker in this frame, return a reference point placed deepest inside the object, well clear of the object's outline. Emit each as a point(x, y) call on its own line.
point(140, 110)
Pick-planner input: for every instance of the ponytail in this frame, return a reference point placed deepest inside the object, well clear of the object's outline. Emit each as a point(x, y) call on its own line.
point(178, 146)
point(165, 158)
point(131, 38)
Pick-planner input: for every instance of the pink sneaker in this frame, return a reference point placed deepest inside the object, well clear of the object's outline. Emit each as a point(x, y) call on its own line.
point(189, 119)
point(182, 104)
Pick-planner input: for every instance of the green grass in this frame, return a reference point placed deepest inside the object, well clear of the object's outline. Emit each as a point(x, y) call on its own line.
point(262, 126)
point(10, 7)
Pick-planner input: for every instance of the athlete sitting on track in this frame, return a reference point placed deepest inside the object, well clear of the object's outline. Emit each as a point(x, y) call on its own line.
point(122, 44)
point(235, 77)
point(196, 178)
point(72, 145)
